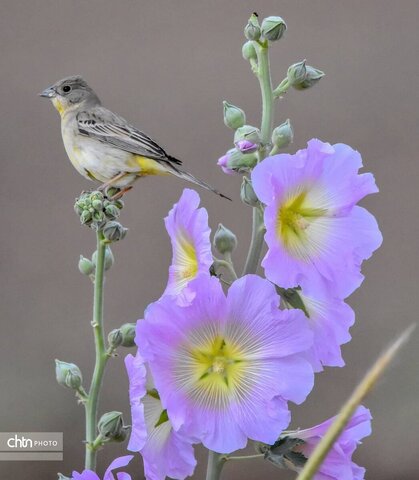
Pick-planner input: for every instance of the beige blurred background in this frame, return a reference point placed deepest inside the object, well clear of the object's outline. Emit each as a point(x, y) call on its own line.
point(166, 66)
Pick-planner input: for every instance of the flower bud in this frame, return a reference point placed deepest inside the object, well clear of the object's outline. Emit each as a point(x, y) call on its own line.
point(235, 162)
point(112, 212)
point(114, 231)
point(273, 28)
point(252, 29)
point(245, 146)
point(109, 258)
point(128, 334)
point(283, 135)
point(97, 205)
point(68, 374)
point(111, 426)
point(302, 76)
point(249, 133)
point(247, 194)
point(234, 117)
point(224, 240)
point(86, 266)
point(86, 217)
point(115, 338)
point(249, 51)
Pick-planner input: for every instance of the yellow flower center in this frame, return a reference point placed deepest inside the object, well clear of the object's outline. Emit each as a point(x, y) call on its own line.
point(213, 370)
point(294, 219)
point(186, 260)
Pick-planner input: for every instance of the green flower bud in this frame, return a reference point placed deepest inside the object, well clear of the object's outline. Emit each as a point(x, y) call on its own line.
point(68, 375)
point(97, 205)
point(234, 117)
point(273, 28)
point(224, 240)
point(283, 135)
point(112, 212)
point(114, 231)
point(86, 266)
point(109, 258)
point(115, 338)
point(247, 194)
point(111, 426)
point(252, 29)
point(249, 133)
point(128, 334)
point(111, 191)
point(249, 51)
point(96, 195)
point(98, 217)
point(118, 204)
point(302, 76)
point(86, 217)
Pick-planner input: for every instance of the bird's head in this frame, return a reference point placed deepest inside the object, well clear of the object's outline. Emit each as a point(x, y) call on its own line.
point(69, 93)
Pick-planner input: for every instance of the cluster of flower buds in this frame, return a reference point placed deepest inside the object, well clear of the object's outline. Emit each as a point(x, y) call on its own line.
point(100, 212)
point(271, 29)
point(88, 266)
point(68, 375)
point(111, 427)
point(122, 337)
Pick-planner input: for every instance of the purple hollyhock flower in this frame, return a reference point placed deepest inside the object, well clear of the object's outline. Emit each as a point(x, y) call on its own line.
point(165, 453)
point(314, 230)
point(245, 146)
point(187, 226)
point(223, 161)
point(225, 367)
point(330, 319)
point(117, 463)
point(338, 464)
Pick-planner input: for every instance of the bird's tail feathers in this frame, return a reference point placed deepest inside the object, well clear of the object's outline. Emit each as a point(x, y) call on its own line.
point(190, 178)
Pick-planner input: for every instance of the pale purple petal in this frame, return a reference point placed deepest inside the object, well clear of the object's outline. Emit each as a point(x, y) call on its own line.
point(117, 463)
point(85, 475)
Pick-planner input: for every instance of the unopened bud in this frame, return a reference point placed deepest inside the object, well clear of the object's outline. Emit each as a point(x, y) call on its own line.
point(273, 28)
point(86, 266)
point(245, 146)
point(109, 258)
point(283, 135)
point(112, 212)
point(86, 217)
point(115, 338)
point(111, 426)
point(234, 117)
point(249, 51)
point(252, 29)
point(128, 334)
point(249, 133)
point(114, 231)
point(236, 162)
point(224, 240)
point(247, 194)
point(302, 76)
point(97, 204)
point(68, 374)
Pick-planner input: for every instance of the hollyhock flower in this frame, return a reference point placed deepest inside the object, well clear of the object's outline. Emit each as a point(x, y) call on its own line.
point(314, 230)
point(117, 463)
point(330, 319)
point(187, 226)
point(225, 367)
point(338, 464)
point(165, 453)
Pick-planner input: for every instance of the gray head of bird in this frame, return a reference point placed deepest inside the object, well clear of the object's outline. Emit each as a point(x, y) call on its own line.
point(70, 93)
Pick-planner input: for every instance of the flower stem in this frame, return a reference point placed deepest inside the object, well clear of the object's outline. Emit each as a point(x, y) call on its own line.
point(101, 356)
point(349, 407)
point(216, 463)
point(264, 75)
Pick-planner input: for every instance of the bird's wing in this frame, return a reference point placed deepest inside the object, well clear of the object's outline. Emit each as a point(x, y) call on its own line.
point(105, 126)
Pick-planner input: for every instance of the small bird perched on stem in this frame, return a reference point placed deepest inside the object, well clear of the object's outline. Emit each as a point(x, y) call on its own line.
point(103, 146)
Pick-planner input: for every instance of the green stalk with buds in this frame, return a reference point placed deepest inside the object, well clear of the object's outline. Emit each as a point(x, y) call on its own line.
point(99, 212)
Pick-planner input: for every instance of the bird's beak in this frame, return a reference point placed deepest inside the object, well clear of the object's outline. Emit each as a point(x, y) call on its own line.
point(48, 93)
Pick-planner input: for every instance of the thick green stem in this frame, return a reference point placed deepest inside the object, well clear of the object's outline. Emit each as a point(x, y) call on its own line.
point(101, 356)
point(265, 81)
point(216, 463)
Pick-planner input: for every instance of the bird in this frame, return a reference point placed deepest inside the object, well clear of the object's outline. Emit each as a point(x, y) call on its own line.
point(103, 146)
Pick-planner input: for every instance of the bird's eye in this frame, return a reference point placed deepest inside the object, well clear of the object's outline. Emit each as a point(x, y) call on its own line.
point(66, 88)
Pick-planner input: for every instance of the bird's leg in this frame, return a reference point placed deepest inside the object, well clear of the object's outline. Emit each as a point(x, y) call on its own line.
point(121, 193)
point(110, 182)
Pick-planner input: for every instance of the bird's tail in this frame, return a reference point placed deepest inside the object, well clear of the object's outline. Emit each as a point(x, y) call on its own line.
point(190, 178)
